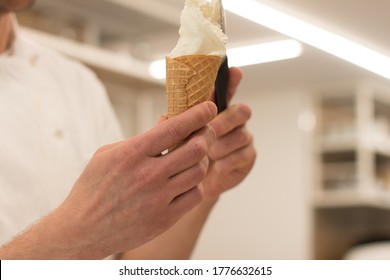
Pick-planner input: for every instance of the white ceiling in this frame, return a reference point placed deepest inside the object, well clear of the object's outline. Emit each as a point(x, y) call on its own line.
point(364, 21)
point(156, 22)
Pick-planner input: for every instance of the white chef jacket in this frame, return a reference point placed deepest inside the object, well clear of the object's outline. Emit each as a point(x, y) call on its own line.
point(54, 114)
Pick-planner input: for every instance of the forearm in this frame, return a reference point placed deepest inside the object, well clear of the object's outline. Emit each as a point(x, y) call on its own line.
point(179, 241)
point(50, 238)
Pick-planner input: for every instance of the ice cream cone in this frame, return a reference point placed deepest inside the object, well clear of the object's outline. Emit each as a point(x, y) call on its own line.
point(192, 66)
point(190, 81)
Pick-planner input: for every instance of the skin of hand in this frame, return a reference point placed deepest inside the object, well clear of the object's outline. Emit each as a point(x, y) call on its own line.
point(128, 194)
point(232, 157)
point(233, 154)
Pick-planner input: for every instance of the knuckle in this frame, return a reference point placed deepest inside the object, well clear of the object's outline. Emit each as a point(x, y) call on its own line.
point(172, 131)
point(204, 116)
point(211, 133)
point(199, 172)
point(175, 130)
point(198, 195)
point(219, 167)
point(253, 154)
point(249, 156)
point(245, 137)
point(214, 153)
point(245, 111)
point(198, 148)
point(132, 149)
point(205, 164)
point(130, 158)
point(241, 136)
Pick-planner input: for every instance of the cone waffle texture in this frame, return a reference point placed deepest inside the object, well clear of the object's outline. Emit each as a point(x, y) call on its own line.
point(190, 81)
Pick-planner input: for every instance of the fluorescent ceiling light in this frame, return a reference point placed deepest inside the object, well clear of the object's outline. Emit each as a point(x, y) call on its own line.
point(247, 55)
point(265, 52)
point(311, 35)
point(157, 69)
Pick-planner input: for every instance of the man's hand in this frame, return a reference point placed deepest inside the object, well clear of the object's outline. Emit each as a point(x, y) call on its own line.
point(232, 155)
point(231, 158)
point(128, 194)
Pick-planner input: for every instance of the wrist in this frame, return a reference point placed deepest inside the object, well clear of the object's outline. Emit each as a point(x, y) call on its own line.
point(209, 202)
point(73, 237)
point(52, 238)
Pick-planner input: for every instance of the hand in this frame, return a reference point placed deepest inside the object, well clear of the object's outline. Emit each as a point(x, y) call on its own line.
point(129, 193)
point(232, 155)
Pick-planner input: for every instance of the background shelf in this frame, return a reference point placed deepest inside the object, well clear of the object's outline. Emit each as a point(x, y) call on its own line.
point(353, 194)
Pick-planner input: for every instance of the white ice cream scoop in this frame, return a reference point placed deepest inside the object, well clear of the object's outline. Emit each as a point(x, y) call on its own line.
point(200, 30)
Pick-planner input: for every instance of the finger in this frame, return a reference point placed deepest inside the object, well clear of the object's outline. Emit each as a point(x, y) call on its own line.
point(189, 178)
point(186, 201)
point(235, 77)
point(176, 129)
point(241, 159)
point(235, 140)
point(190, 153)
point(232, 117)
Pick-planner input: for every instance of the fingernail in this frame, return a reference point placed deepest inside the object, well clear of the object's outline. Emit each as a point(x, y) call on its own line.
point(212, 108)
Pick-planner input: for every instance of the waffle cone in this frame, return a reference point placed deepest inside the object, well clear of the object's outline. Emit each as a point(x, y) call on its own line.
point(190, 81)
